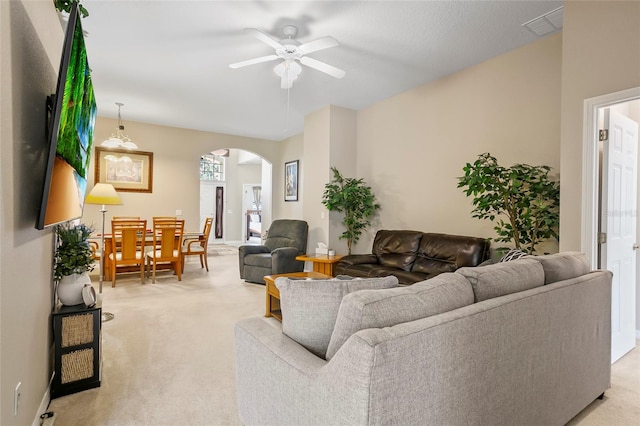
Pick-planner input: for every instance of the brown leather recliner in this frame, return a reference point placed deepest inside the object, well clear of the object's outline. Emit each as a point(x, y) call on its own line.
point(414, 256)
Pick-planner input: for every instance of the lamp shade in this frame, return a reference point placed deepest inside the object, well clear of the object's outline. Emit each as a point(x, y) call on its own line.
point(103, 193)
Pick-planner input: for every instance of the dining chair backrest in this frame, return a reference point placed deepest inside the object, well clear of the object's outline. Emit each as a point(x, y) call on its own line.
point(127, 246)
point(128, 238)
point(164, 218)
point(208, 224)
point(167, 234)
point(126, 218)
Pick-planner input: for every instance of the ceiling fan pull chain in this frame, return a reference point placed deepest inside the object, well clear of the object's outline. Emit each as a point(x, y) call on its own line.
point(286, 127)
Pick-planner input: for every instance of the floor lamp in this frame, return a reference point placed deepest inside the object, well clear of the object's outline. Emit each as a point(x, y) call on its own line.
point(103, 194)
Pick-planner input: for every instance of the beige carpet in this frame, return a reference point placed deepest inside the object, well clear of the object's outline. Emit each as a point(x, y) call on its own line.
point(168, 356)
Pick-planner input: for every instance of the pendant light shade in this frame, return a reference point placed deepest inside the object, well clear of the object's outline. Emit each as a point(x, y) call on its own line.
point(119, 139)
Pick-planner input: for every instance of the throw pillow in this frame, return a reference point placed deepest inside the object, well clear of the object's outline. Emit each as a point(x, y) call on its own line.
point(385, 308)
point(309, 308)
point(504, 278)
point(513, 254)
point(564, 266)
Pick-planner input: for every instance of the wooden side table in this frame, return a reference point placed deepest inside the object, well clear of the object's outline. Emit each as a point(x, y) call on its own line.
point(273, 295)
point(322, 263)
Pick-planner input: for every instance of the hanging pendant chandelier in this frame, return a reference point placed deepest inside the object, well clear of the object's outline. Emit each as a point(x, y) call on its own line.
point(119, 139)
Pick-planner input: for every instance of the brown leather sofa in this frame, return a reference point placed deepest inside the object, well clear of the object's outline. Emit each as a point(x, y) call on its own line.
point(414, 256)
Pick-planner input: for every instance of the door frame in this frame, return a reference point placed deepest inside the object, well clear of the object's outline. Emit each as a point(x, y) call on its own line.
point(590, 164)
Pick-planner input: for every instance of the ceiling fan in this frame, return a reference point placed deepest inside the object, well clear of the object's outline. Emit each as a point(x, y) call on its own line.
point(292, 53)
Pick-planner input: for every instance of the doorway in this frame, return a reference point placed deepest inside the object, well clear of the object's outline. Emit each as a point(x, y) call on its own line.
point(625, 321)
point(224, 175)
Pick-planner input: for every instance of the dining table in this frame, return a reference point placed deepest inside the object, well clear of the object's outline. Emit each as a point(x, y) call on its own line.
point(148, 241)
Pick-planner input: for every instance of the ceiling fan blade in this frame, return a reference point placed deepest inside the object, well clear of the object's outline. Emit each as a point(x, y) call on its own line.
point(254, 61)
point(264, 38)
point(321, 66)
point(319, 44)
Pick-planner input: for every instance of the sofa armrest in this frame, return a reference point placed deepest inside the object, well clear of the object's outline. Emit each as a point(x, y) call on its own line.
point(283, 260)
point(355, 259)
point(250, 249)
point(310, 390)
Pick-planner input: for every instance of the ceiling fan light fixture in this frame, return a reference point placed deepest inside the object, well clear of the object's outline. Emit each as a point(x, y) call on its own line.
point(119, 139)
point(291, 69)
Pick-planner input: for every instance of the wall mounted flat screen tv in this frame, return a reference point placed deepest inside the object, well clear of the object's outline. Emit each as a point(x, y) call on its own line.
point(72, 116)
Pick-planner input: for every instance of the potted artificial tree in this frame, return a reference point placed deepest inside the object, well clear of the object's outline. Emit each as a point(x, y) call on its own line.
point(66, 5)
point(353, 198)
point(73, 262)
point(526, 196)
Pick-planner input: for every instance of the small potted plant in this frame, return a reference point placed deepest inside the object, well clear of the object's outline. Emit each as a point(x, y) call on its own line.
point(353, 198)
point(73, 262)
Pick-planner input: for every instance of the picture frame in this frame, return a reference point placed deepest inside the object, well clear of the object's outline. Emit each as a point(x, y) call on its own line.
point(127, 171)
point(291, 180)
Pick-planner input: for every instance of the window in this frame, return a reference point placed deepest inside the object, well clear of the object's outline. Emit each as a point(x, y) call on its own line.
point(212, 168)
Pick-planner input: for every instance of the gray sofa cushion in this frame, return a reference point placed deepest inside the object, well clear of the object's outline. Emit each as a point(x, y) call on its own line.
point(563, 266)
point(385, 308)
point(504, 278)
point(309, 307)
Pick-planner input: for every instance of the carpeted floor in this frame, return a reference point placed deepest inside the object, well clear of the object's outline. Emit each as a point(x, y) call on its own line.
point(168, 355)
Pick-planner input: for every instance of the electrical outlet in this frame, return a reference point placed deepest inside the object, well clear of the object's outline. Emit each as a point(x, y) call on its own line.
point(16, 398)
point(178, 212)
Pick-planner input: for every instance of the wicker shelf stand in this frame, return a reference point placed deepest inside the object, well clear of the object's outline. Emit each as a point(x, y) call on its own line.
point(76, 334)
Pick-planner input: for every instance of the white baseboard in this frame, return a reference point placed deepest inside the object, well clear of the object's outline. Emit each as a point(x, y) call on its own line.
point(44, 404)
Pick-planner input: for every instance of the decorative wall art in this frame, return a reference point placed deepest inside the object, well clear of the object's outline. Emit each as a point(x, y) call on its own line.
point(127, 171)
point(291, 180)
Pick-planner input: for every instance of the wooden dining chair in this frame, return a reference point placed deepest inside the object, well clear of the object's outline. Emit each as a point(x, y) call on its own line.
point(126, 217)
point(95, 250)
point(164, 218)
point(198, 246)
point(127, 246)
point(167, 236)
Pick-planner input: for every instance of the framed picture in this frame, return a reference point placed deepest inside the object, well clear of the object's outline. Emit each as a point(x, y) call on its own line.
point(291, 180)
point(127, 171)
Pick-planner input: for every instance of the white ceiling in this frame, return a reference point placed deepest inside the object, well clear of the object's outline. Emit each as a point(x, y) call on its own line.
point(167, 61)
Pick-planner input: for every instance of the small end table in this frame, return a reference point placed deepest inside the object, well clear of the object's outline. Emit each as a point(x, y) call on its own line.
point(273, 295)
point(322, 263)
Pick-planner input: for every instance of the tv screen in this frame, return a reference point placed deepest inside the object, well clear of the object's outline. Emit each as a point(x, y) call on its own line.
point(73, 115)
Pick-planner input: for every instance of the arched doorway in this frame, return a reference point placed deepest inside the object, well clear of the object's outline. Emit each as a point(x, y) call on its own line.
point(227, 181)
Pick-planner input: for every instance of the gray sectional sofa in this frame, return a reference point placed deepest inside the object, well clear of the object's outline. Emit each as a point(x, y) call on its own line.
point(524, 342)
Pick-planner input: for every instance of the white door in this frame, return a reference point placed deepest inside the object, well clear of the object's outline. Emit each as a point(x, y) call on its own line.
point(619, 193)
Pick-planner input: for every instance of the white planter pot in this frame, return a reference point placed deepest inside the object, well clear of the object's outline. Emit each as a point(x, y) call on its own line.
point(70, 288)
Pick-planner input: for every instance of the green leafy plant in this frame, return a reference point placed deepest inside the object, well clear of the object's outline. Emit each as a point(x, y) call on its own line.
point(353, 198)
point(525, 195)
point(73, 254)
point(66, 5)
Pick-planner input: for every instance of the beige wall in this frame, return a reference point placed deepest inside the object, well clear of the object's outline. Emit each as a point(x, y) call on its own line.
point(600, 55)
point(31, 41)
point(412, 147)
point(291, 149)
point(329, 141)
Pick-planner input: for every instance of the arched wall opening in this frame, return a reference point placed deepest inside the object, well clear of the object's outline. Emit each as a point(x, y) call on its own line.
point(236, 190)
